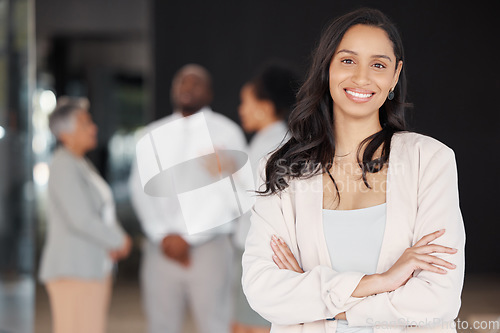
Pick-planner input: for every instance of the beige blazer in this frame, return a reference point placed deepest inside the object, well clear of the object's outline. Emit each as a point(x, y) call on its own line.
point(422, 197)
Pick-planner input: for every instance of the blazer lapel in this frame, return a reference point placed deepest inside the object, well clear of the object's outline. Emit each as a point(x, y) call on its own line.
point(94, 193)
point(401, 208)
point(309, 222)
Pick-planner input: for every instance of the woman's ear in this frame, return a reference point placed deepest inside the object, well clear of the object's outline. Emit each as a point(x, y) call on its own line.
point(64, 137)
point(269, 110)
point(268, 107)
point(397, 73)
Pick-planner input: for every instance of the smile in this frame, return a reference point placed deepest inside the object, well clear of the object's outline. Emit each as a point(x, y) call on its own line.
point(358, 95)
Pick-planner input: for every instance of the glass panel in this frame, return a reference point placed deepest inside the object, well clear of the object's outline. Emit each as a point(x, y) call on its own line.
point(17, 225)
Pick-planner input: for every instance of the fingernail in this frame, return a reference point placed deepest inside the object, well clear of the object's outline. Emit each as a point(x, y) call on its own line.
point(274, 237)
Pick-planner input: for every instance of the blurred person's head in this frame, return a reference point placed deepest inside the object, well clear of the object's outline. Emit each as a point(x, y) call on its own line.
point(191, 89)
point(268, 97)
point(72, 125)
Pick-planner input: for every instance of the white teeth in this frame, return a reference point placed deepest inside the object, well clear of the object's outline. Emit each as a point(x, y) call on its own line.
point(355, 94)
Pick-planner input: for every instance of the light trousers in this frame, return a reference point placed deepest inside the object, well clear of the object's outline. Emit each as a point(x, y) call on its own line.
point(169, 289)
point(78, 305)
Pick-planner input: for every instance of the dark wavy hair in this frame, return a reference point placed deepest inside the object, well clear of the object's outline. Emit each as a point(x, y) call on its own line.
point(311, 147)
point(276, 82)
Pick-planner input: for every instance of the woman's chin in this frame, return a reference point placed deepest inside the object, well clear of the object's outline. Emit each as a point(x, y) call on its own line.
point(92, 145)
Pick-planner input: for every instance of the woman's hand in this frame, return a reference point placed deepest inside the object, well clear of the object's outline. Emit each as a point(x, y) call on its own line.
point(122, 252)
point(418, 257)
point(283, 257)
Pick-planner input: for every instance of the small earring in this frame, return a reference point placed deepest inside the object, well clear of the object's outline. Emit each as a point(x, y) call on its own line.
point(391, 95)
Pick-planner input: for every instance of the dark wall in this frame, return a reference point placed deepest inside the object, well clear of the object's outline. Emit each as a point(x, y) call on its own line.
point(450, 61)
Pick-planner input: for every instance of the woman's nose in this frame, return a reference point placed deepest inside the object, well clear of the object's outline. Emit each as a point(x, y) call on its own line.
point(361, 76)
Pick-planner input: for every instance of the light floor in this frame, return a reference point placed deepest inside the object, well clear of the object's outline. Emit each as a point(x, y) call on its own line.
point(480, 302)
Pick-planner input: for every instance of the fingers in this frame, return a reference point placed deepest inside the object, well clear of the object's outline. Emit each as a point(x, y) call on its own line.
point(429, 238)
point(436, 261)
point(113, 255)
point(185, 260)
point(278, 262)
point(434, 248)
point(280, 253)
point(431, 268)
point(283, 257)
point(288, 255)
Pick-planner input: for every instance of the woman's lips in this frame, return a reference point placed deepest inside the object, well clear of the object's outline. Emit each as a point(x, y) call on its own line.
point(359, 95)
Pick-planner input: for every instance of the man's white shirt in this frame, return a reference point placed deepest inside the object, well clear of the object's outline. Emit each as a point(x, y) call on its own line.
point(160, 216)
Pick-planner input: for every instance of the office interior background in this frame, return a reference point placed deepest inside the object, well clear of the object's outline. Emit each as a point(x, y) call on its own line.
point(122, 54)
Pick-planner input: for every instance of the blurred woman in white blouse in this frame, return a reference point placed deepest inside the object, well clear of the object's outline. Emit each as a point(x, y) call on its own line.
point(84, 238)
point(265, 103)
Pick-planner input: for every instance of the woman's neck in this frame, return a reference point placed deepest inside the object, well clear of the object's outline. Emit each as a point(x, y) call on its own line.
point(75, 150)
point(267, 123)
point(349, 133)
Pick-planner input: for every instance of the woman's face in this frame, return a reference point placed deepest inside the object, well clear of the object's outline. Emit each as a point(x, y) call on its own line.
point(362, 72)
point(84, 135)
point(251, 109)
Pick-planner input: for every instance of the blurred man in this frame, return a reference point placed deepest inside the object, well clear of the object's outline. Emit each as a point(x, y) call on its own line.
point(180, 270)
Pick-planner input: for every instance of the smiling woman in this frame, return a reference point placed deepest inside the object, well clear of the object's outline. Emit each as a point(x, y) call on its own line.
point(358, 221)
point(363, 70)
point(363, 52)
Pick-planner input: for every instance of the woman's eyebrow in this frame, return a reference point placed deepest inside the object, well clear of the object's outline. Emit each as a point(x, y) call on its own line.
point(382, 56)
point(347, 51)
point(373, 56)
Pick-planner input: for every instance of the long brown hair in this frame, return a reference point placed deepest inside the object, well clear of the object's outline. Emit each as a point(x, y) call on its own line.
point(311, 147)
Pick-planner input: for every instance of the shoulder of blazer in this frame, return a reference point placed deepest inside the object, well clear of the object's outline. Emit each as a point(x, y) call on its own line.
point(63, 161)
point(415, 143)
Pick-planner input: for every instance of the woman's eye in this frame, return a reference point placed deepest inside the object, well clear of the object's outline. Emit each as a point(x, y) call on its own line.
point(347, 61)
point(378, 65)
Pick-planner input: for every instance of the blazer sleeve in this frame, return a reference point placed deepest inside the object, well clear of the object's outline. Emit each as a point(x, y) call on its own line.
point(282, 296)
point(75, 206)
point(427, 298)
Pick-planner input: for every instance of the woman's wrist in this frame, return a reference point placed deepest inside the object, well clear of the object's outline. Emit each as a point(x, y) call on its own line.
point(340, 316)
point(370, 285)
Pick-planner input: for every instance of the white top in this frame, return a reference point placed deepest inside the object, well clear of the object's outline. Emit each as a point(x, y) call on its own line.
point(159, 216)
point(354, 238)
point(266, 141)
point(263, 142)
